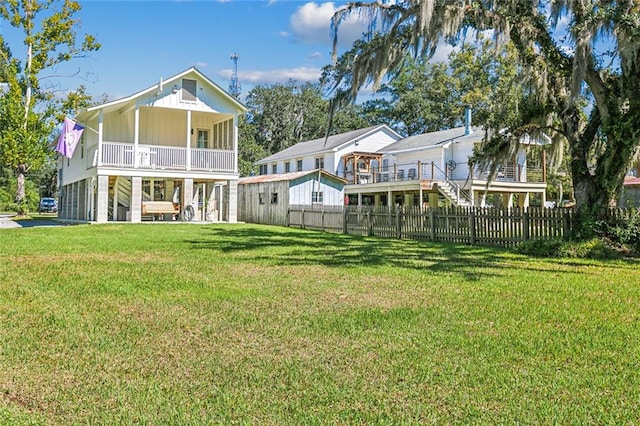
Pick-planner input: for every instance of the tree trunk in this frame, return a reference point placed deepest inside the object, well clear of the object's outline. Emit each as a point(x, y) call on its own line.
point(20, 191)
point(598, 182)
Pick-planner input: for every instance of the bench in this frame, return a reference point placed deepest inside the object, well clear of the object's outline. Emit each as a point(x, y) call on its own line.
point(159, 208)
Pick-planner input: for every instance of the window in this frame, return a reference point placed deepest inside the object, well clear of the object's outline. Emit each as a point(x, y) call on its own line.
point(203, 138)
point(287, 167)
point(274, 198)
point(274, 168)
point(261, 196)
point(188, 90)
point(263, 169)
point(299, 165)
point(320, 163)
point(222, 135)
point(316, 197)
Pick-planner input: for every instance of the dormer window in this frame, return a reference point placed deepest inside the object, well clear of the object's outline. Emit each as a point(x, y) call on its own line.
point(188, 90)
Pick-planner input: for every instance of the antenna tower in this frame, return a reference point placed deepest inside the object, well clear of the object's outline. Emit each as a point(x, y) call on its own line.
point(234, 84)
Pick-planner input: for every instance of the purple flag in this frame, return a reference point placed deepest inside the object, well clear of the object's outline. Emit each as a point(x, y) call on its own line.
point(69, 137)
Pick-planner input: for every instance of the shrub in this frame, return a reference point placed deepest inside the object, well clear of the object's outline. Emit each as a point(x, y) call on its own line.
point(622, 228)
point(594, 248)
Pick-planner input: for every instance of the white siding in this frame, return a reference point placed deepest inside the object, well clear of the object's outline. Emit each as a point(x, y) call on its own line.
point(300, 191)
point(371, 143)
point(209, 99)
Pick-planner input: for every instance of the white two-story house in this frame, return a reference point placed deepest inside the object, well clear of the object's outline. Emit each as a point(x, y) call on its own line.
point(173, 144)
point(333, 154)
point(433, 168)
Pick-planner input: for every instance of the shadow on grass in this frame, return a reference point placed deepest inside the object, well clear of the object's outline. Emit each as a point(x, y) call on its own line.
point(287, 246)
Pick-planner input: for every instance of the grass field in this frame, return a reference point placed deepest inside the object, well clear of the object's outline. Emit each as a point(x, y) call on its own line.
point(240, 324)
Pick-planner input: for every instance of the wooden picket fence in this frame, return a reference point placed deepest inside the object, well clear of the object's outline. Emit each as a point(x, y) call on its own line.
point(463, 225)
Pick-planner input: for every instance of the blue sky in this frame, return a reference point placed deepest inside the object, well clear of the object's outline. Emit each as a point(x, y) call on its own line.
point(142, 41)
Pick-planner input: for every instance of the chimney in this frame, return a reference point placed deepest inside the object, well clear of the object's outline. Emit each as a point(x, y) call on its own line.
point(467, 120)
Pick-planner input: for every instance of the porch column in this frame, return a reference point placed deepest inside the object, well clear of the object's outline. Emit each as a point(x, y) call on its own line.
point(481, 198)
point(136, 137)
point(377, 200)
point(433, 199)
point(135, 204)
point(91, 198)
point(102, 210)
point(232, 201)
point(235, 144)
point(189, 147)
point(187, 194)
point(507, 200)
point(408, 200)
point(114, 205)
point(168, 189)
point(100, 135)
point(523, 200)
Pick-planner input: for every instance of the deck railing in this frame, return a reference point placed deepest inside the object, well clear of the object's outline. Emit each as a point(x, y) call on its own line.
point(432, 171)
point(124, 155)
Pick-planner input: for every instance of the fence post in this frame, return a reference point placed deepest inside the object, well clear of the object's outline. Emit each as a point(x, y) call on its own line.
point(525, 224)
point(369, 223)
point(399, 223)
point(288, 219)
point(344, 220)
point(472, 225)
point(432, 224)
point(322, 219)
point(302, 219)
point(566, 224)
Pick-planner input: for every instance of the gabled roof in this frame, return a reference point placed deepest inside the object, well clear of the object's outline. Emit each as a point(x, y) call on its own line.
point(169, 81)
point(286, 177)
point(433, 139)
point(332, 143)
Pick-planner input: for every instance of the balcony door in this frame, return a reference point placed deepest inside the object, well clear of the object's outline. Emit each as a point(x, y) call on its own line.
point(202, 138)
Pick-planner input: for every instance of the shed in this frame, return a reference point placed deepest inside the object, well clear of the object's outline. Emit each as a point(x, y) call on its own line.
point(266, 199)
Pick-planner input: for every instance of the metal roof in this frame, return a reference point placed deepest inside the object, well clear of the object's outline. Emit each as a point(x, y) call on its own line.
point(325, 144)
point(434, 138)
point(285, 177)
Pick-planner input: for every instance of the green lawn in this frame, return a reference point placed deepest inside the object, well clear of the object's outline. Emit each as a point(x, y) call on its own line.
point(222, 324)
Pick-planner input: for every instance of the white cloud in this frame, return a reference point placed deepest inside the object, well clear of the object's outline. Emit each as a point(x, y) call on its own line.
point(311, 24)
point(201, 65)
point(256, 77)
point(315, 56)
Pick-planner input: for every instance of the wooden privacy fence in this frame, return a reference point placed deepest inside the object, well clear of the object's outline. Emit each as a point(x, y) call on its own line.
point(466, 225)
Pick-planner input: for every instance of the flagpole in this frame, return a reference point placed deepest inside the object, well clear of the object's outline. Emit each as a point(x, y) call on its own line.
point(85, 126)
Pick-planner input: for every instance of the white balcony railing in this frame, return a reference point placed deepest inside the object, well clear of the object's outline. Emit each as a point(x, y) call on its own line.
point(431, 171)
point(124, 155)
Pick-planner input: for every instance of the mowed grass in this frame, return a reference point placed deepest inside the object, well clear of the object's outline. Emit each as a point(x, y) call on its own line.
point(241, 324)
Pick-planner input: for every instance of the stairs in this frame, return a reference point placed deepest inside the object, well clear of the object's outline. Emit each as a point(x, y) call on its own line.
point(454, 193)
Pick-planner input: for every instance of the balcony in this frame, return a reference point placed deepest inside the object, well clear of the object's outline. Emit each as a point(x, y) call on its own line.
point(431, 172)
point(124, 155)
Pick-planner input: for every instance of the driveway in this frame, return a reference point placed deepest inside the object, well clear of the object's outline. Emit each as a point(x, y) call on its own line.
point(6, 221)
